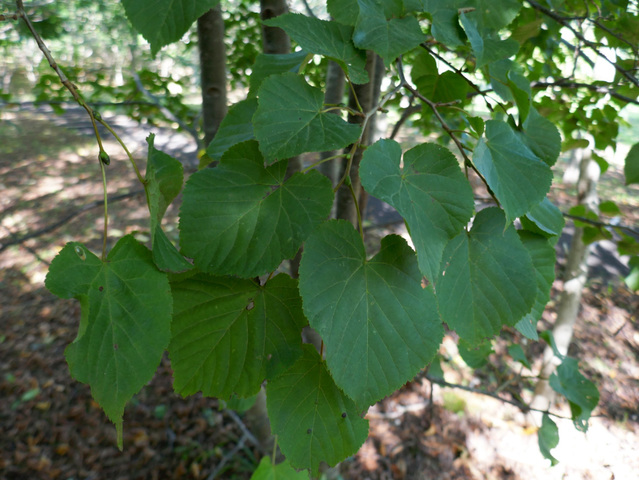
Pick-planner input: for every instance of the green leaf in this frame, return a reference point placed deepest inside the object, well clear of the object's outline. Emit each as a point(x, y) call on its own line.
point(543, 257)
point(164, 21)
point(379, 326)
point(485, 280)
point(475, 356)
point(609, 208)
point(548, 337)
point(272, 64)
point(542, 137)
point(439, 88)
point(518, 355)
point(343, 11)
point(243, 219)
point(581, 393)
point(290, 120)
point(544, 219)
point(229, 334)
point(328, 38)
point(486, 47)
point(518, 178)
point(236, 127)
point(163, 181)
point(430, 192)
point(631, 165)
point(126, 316)
point(548, 438)
point(632, 280)
point(388, 37)
point(314, 421)
point(282, 471)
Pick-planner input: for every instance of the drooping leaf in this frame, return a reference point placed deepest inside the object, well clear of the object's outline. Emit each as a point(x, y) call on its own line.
point(486, 279)
point(548, 438)
point(518, 355)
point(631, 165)
point(519, 179)
point(328, 38)
point(229, 334)
point(430, 192)
point(243, 219)
point(544, 219)
point(163, 181)
point(282, 471)
point(379, 326)
point(311, 416)
point(164, 21)
point(581, 393)
point(236, 127)
point(487, 47)
point(273, 64)
point(290, 119)
point(386, 35)
point(543, 257)
point(126, 317)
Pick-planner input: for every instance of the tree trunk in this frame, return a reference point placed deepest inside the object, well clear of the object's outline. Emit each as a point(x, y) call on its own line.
point(335, 82)
point(346, 208)
point(575, 276)
point(210, 31)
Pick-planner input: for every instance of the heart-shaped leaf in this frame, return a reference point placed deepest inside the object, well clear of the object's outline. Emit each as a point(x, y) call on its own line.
point(379, 326)
point(519, 179)
point(229, 334)
point(243, 219)
point(487, 279)
point(290, 119)
point(126, 317)
point(236, 127)
point(313, 419)
point(430, 192)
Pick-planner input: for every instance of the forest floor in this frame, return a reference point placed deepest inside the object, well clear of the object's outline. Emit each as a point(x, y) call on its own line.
point(51, 429)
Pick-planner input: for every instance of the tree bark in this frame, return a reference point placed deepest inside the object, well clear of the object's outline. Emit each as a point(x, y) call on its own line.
point(210, 31)
point(575, 277)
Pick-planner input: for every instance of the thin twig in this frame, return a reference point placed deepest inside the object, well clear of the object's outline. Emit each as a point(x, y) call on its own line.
point(521, 406)
point(597, 223)
point(226, 458)
point(565, 21)
point(595, 88)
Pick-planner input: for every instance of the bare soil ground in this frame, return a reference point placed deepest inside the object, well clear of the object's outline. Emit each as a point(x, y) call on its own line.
point(51, 429)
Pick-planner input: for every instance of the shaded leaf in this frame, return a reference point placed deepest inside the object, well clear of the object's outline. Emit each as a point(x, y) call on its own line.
point(486, 279)
point(314, 421)
point(163, 182)
point(475, 356)
point(543, 258)
point(328, 38)
point(519, 179)
point(388, 37)
point(544, 219)
point(290, 119)
point(518, 355)
point(343, 11)
point(542, 137)
point(236, 127)
point(631, 165)
point(229, 334)
point(430, 192)
point(548, 438)
point(126, 316)
point(632, 280)
point(487, 47)
point(439, 88)
point(581, 393)
point(164, 21)
point(272, 64)
point(243, 219)
point(390, 321)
